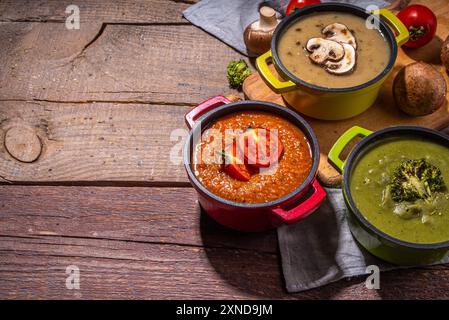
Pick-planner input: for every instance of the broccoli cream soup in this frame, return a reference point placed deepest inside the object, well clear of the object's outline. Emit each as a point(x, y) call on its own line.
point(400, 186)
point(333, 50)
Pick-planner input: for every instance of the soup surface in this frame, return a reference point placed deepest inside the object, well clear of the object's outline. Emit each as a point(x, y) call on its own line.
point(421, 221)
point(372, 50)
point(264, 185)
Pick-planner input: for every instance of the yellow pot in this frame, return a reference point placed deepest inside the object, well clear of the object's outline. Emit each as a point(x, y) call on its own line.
point(330, 103)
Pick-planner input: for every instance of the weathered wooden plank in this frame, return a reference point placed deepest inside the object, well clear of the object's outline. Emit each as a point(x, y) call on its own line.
point(102, 62)
point(135, 11)
point(138, 253)
point(92, 143)
point(128, 243)
point(35, 268)
point(151, 215)
point(96, 143)
point(416, 284)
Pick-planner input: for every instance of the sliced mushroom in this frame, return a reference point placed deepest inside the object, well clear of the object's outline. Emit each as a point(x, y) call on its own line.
point(345, 65)
point(322, 50)
point(340, 33)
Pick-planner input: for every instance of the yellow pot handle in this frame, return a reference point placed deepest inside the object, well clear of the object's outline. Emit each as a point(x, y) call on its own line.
point(402, 34)
point(270, 79)
point(342, 142)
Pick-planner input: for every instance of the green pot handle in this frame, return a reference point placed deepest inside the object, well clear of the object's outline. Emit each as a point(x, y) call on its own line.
point(402, 34)
point(342, 142)
point(270, 79)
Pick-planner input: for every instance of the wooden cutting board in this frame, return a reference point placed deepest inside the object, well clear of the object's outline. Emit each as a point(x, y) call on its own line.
point(383, 113)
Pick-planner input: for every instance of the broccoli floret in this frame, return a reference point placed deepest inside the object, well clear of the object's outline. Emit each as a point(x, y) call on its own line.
point(238, 71)
point(415, 179)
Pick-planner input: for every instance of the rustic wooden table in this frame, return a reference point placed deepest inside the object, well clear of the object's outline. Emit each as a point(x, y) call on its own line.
point(85, 170)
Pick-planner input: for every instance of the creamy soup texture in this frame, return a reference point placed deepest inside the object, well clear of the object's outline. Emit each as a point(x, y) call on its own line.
point(372, 52)
point(293, 167)
point(368, 184)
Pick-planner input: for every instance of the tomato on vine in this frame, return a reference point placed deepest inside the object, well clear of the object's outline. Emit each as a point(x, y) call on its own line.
point(298, 4)
point(421, 22)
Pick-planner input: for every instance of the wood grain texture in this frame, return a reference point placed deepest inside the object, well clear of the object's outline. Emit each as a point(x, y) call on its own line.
point(93, 96)
point(150, 215)
point(135, 11)
point(166, 64)
point(141, 243)
point(383, 113)
point(97, 143)
point(131, 270)
point(92, 143)
point(23, 144)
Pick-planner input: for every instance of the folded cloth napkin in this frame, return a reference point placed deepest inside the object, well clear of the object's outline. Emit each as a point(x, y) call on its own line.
point(228, 19)
point(320, 249)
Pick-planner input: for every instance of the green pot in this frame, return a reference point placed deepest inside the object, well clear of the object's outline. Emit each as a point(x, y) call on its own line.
point(371, 238)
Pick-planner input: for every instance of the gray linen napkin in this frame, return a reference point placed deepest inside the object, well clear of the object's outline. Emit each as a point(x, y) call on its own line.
point(320, 249)
point(227, 20)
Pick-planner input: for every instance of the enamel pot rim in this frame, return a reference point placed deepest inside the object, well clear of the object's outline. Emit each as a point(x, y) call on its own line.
point(331, 7)
point(352, 160)
point(255, 105)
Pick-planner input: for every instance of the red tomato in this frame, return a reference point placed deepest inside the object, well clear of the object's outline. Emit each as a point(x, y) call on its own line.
point(234, 166)
point(260, 147)
point(421, 22)
point(297, 4)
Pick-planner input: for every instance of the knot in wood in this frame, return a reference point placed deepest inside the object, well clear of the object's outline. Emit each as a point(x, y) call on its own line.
point(23, 144)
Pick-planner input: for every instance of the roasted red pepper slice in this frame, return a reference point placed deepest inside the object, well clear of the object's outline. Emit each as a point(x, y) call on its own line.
point(261, 148)
point(235, 166)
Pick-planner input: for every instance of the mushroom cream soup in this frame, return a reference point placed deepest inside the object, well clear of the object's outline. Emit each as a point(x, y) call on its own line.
point(333, 50)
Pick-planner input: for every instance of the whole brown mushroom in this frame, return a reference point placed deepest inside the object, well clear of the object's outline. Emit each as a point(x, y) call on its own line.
point(419, 89)
point(258, 34)
point(445, 53)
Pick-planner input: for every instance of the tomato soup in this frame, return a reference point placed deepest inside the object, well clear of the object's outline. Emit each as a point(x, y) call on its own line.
point(292, 166)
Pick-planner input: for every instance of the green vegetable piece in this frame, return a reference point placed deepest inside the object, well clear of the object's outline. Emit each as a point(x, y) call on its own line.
point(238, 71)
point(415, 179)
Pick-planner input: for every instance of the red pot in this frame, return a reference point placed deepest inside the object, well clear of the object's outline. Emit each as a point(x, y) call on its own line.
point(288, 209)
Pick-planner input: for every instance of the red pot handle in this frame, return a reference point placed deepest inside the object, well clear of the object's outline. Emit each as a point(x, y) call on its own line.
point(191, 116)
point(304, 209)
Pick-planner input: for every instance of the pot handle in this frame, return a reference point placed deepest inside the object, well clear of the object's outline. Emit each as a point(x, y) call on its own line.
point(209, 104)
point(342, 142)
point(270, 79)
point(402, 34)
point(304, 209)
